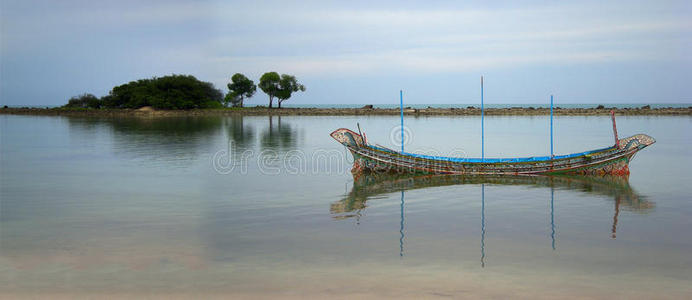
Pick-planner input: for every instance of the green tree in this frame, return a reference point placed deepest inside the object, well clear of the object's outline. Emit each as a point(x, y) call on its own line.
point(287, 86)
point(242, 87)
point(269, 83)
point(233, 99)
point(168, 92)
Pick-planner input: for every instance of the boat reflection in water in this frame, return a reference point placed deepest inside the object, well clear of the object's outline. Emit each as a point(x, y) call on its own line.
point(369, 186)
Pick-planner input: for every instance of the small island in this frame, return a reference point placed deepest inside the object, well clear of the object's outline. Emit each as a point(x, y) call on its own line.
point(185, 92)
point(185, 95)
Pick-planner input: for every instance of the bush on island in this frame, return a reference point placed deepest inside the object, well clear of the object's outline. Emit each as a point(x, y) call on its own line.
point(168, 92)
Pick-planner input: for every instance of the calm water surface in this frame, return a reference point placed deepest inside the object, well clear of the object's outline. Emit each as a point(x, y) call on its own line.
point(266, 206)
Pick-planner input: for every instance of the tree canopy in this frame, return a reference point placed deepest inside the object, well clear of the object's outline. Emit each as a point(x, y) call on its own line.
point(241, 87)
point(233, 99)
point(287, 86)
point(168, 92)
point(269, 83)
point(281, 87)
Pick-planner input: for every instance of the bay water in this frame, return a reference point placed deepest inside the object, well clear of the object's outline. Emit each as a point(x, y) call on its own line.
point(266, 207)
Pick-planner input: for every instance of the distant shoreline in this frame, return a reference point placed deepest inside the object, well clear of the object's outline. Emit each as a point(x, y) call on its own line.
point(263, 111)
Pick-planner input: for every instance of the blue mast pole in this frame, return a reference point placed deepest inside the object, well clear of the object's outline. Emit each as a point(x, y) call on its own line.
point(551, 127)
point(482, 124)
point(401, 105)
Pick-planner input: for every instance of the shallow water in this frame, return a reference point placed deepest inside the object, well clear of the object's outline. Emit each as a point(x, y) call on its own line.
point(266, 206)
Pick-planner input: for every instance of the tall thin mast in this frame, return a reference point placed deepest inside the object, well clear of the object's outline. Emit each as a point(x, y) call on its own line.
point(401, 106)
point(551, 127)
point(482, 124)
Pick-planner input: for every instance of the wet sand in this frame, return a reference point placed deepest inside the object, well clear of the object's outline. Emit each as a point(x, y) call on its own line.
point(359, 281)
point(261, 111)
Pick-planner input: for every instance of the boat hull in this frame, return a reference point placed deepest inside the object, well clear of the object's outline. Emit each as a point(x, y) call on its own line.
point(607, 161)
point(617, 166)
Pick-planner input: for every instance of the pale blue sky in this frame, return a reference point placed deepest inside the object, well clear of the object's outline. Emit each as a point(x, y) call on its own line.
point(356, 51)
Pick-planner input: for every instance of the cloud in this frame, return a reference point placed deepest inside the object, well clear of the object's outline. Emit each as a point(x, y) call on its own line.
point(422, 62)
point(73, 44)
point(317, 40)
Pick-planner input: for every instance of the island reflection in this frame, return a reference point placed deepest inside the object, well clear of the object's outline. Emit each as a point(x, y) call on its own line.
point(176, 140)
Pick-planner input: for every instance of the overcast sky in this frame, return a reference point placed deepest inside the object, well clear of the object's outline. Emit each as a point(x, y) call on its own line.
point(356, 51)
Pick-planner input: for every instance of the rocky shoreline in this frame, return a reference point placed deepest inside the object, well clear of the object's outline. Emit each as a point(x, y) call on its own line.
point(367, 110)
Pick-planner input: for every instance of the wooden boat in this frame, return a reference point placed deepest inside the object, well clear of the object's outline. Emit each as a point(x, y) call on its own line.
point(613, 160)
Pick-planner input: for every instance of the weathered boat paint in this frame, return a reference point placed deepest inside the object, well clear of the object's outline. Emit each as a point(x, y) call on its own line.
point(613, 160)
